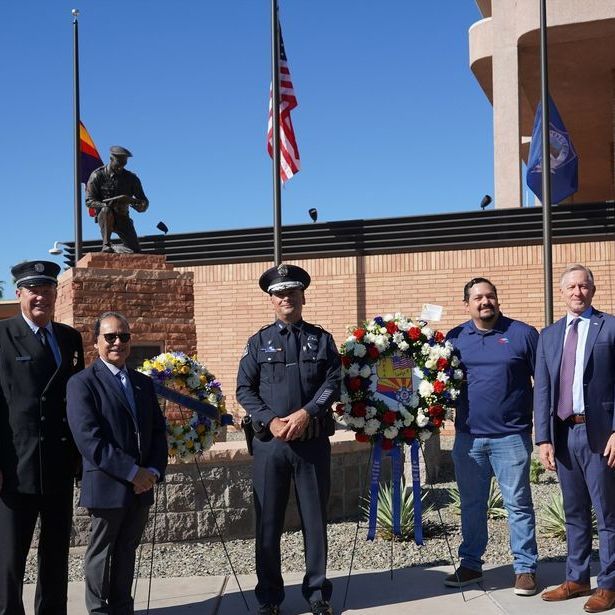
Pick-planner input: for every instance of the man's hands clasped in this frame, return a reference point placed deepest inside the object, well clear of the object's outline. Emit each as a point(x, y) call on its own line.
point(290, 427)
point(144, 480)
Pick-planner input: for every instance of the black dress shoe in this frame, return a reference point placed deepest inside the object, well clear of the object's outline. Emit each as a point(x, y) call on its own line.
point(321, 607)
point(269, 609)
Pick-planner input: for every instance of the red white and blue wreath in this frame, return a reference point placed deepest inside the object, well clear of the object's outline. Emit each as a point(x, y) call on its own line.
point(400, 381)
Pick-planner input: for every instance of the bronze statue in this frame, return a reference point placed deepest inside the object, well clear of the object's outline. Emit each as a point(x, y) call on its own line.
point(110, 191)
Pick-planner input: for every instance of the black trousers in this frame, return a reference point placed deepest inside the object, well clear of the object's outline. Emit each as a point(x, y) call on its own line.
point(109, 220)
point(115, 534)
point(309, 465)
point(18, 515)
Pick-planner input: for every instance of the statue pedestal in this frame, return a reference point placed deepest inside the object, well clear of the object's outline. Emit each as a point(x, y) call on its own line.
point(157, 301)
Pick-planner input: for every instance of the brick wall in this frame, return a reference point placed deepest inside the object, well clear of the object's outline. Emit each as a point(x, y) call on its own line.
point(229, 306)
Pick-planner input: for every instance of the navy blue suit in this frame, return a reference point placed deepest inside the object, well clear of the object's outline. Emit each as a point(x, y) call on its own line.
point(112, 438)
point(584, 476)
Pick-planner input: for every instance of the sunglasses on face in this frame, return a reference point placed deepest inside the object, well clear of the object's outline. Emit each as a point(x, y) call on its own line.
point(111, 337)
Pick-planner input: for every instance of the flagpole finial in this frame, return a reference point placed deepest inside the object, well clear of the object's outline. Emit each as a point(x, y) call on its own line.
point(75, 13)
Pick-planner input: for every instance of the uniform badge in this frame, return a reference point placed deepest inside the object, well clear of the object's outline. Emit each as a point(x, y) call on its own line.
point(312, 342)
point(39, 267)
point(283, 270)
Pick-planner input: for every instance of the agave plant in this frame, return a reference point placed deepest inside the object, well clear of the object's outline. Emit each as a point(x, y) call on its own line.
point(536, 471)
point(553, 518)
point(495, 501)
point(385, 511)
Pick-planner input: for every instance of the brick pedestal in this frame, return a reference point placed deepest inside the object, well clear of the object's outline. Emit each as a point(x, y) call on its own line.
point(157, 300)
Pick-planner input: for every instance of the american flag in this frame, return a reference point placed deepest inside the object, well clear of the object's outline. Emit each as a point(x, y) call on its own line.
point(289, 153)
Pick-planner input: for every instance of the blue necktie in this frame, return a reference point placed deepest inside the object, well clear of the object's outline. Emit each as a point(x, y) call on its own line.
point(127, 389)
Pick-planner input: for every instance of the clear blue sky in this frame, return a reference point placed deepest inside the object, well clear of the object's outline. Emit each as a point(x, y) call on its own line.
point(390, 122)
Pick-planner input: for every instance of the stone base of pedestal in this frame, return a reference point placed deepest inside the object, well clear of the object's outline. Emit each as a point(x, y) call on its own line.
point(157, 301)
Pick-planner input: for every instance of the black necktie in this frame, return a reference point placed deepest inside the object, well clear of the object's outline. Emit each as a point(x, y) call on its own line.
point(293, 375)
point(44, 337)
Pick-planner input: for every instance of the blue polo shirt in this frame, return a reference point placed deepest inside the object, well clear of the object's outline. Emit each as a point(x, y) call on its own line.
point(496, 399)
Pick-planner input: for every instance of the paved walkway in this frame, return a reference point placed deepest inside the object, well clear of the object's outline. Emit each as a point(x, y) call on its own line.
point(412, 590)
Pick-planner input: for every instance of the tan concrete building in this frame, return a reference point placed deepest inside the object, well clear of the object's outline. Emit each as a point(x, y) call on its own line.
point(505, 59)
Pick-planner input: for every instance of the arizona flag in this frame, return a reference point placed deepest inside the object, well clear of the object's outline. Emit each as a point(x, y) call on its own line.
point(90, 159)
point(289, 152)
point(564, 159)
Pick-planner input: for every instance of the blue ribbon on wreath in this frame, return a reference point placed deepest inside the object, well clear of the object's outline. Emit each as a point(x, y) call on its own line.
point(416, 492)
point(196, 405)
point(396, 471)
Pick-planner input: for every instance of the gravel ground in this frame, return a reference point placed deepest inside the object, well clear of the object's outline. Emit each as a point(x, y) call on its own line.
point(441, 525)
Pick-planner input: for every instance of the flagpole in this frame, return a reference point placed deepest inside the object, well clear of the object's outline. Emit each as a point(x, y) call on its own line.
point(77, 144)
point(275, 118)
point(546, 169)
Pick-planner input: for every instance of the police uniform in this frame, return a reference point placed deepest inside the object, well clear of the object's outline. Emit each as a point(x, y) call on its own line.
point(106, 184)
point(38, 457)
point(267, 388)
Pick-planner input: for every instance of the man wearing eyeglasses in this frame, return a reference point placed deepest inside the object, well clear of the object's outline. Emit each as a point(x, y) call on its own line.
point(38, 458)
point(120, 431)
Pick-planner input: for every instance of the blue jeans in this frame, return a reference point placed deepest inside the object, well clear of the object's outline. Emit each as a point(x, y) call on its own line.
point(476, 460)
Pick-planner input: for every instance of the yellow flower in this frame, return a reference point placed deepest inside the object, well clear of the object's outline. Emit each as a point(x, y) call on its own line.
point(200, 428)
point(189, 444)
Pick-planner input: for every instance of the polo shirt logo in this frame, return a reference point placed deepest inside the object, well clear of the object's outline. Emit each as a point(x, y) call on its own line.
point(503, 340)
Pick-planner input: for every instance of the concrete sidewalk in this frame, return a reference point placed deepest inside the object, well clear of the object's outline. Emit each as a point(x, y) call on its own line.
point(419, 590)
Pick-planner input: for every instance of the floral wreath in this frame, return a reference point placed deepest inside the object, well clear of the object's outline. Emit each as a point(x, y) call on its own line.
point(194, 433)
point(378, 400)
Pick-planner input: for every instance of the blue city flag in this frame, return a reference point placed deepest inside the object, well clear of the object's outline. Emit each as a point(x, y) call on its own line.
point(564, 159)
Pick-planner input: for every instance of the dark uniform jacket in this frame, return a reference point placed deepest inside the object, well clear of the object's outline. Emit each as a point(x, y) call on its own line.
point(37, 451)
point(262, 385)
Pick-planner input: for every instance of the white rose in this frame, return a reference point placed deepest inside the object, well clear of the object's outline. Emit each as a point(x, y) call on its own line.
point(458, 374)
point(430, 363)
point(370, 412)
point(455, 361)
point(372, 426)
point(381, 342)
point(359, 350)
point(442, 377)
point(425, 388)
point(350, 342)
point(403, 346)
point(421, 420)
point(398, 337)
point(454, 393)
point(427, 332)
point(353, 370)
point(408, 420)
point(369, 338)
point(391, 432)
point(388, 317)
point(365, 371)
point(426, 350)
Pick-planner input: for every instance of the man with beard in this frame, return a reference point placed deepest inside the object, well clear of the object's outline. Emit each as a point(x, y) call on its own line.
point(493, 425)
point(38, 458)
point(288, 378)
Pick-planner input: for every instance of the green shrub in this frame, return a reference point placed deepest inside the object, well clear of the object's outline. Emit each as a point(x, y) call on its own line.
point(536, 471)
point(384, 520)
point(495, 501)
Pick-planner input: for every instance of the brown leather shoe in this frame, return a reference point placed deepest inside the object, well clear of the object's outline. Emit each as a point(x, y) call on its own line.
point(600, 600)
point(567, 590)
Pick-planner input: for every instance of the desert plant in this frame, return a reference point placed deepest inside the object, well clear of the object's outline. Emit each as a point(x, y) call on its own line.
point(553, 518)
point(495, 501)
point(384, 522)
point(536, 471)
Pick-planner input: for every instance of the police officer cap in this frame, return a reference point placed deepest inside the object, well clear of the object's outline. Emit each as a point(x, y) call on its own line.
point(118, 150)
point(35, 273)
point(284, 277)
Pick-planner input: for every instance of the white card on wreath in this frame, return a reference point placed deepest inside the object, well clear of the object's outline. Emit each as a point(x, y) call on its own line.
point(431, 312)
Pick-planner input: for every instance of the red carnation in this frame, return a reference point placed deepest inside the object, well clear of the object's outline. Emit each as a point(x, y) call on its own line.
point(408, 433)
point(346, 361)
point(391, 327)
point(437, 422)
point(354, 384)
point(436, 410)
point(387, 444)
point(361, 437)
point(389, 417)
point(439, 386)
point(438, 336)
point(359, 334)
point(359, 408)
point(442, 363)
point(339, 409)
point(373, 352)
point(414, 333)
